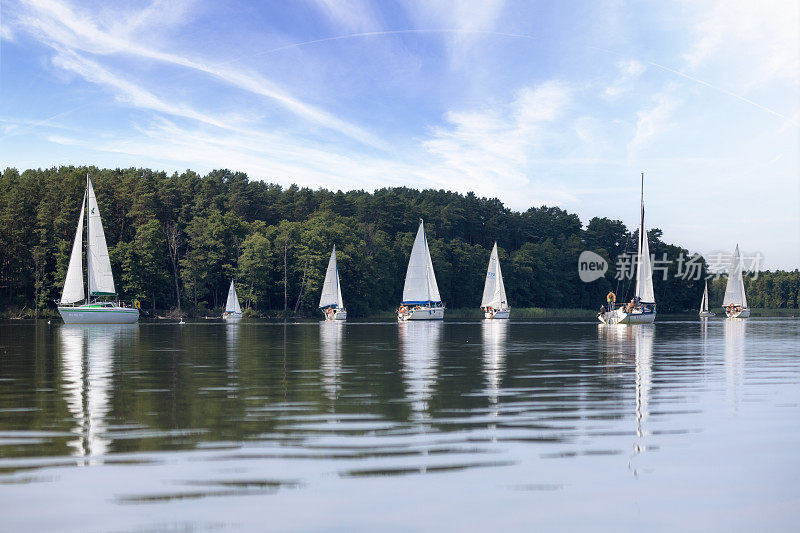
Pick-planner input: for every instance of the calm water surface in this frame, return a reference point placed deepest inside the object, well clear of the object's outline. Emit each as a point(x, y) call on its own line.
point(416, 426)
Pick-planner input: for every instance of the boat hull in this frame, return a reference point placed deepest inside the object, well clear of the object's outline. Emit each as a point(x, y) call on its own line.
point(619, 316)
point(339, 314)
point(744, 313)
point(423, 313)
point(497, 315)
point(99, 315)
point(232, 317)
point(706, 314)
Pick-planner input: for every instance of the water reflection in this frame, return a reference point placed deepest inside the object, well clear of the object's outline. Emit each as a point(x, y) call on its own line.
point(419, 356)
point(621, 346)
point(232, 356)
point(494, 334)
point(331, 335)
point(213, 424)
point(614, 341)
point(643, 336)
point(86, 366)
point(735, 332)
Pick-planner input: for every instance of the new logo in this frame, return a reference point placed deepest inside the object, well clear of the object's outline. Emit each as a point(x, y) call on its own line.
point(591, 266)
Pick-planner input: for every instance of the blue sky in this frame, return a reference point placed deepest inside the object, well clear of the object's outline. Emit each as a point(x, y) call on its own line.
point(557, 103)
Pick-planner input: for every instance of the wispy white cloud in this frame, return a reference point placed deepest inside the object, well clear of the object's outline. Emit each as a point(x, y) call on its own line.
point(62, 27)
point(654, 120)
point(6, 33)
point(349, 15)
point(469, 17)
point(629, 71)
point(761, 38)
point(133, 94)
point(492, 150)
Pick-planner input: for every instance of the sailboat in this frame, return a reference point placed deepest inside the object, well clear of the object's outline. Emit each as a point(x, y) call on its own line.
point(735, 300)
point(642, 309)
point(331, 301)
point(421, 300)
point(233, 310)
point(100, 278)
point(704, 312)
point(494, 303)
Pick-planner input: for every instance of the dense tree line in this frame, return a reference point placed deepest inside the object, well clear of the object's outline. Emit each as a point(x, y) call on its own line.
point(176, 240)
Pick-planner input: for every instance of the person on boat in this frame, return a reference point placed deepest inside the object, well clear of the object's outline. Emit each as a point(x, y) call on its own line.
point(611, 298)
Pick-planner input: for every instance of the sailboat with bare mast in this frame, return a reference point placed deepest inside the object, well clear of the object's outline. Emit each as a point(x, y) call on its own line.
point(642, 309)
point(100, 279)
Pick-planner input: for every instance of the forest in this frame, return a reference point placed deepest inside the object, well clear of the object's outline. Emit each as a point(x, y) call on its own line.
point(176, 241)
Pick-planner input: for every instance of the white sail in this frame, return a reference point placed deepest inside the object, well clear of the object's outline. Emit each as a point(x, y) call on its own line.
point(494, 290)
point(734, 290)
point(339, 301)
point(420, 286)
point(331, 291)
point(101, 280)
point(232, 305)
point(704, 302)
point(73, 284)
point(644, 268)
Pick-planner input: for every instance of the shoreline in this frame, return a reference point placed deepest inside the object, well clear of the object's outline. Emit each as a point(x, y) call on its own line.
point(457, 314)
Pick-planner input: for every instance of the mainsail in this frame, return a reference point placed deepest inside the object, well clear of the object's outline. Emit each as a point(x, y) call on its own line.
point(644, 268)
point(331, 288)
point(232, 305)
point(494, 290)
point(101, 280)
point(73, 284)
point(734, 290)
point(704, 302)
point(420, 286)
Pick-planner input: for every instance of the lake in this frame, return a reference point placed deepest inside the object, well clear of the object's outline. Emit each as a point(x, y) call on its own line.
point(471, 426)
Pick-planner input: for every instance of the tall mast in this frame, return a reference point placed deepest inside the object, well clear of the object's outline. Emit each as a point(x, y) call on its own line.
point(336, 271)
point(641, 217)
point(88, 297)
point(427, 254)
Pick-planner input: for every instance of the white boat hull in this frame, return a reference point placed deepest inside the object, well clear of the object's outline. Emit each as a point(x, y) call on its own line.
point(99, 315)
point(744, 313)
point(339, 314)
point(232, 317)
point(706, 314)
point(423, 313)
point(499, 314)
point(620, 316)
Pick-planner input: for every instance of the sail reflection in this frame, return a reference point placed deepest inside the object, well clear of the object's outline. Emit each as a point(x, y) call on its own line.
point(622, 344)
point(643, 342)
point(232, 356)
point(419, 356)
point(735, 336)
point(494, 334)
point(86, 366)
point(331, 334)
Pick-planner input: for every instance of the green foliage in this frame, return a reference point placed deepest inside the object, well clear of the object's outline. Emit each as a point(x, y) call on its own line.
point(180, 239)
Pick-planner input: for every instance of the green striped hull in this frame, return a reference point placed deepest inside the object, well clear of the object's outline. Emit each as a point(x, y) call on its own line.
point(99, 315)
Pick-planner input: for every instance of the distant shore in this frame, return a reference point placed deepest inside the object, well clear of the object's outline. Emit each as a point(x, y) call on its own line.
point(461, 313)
